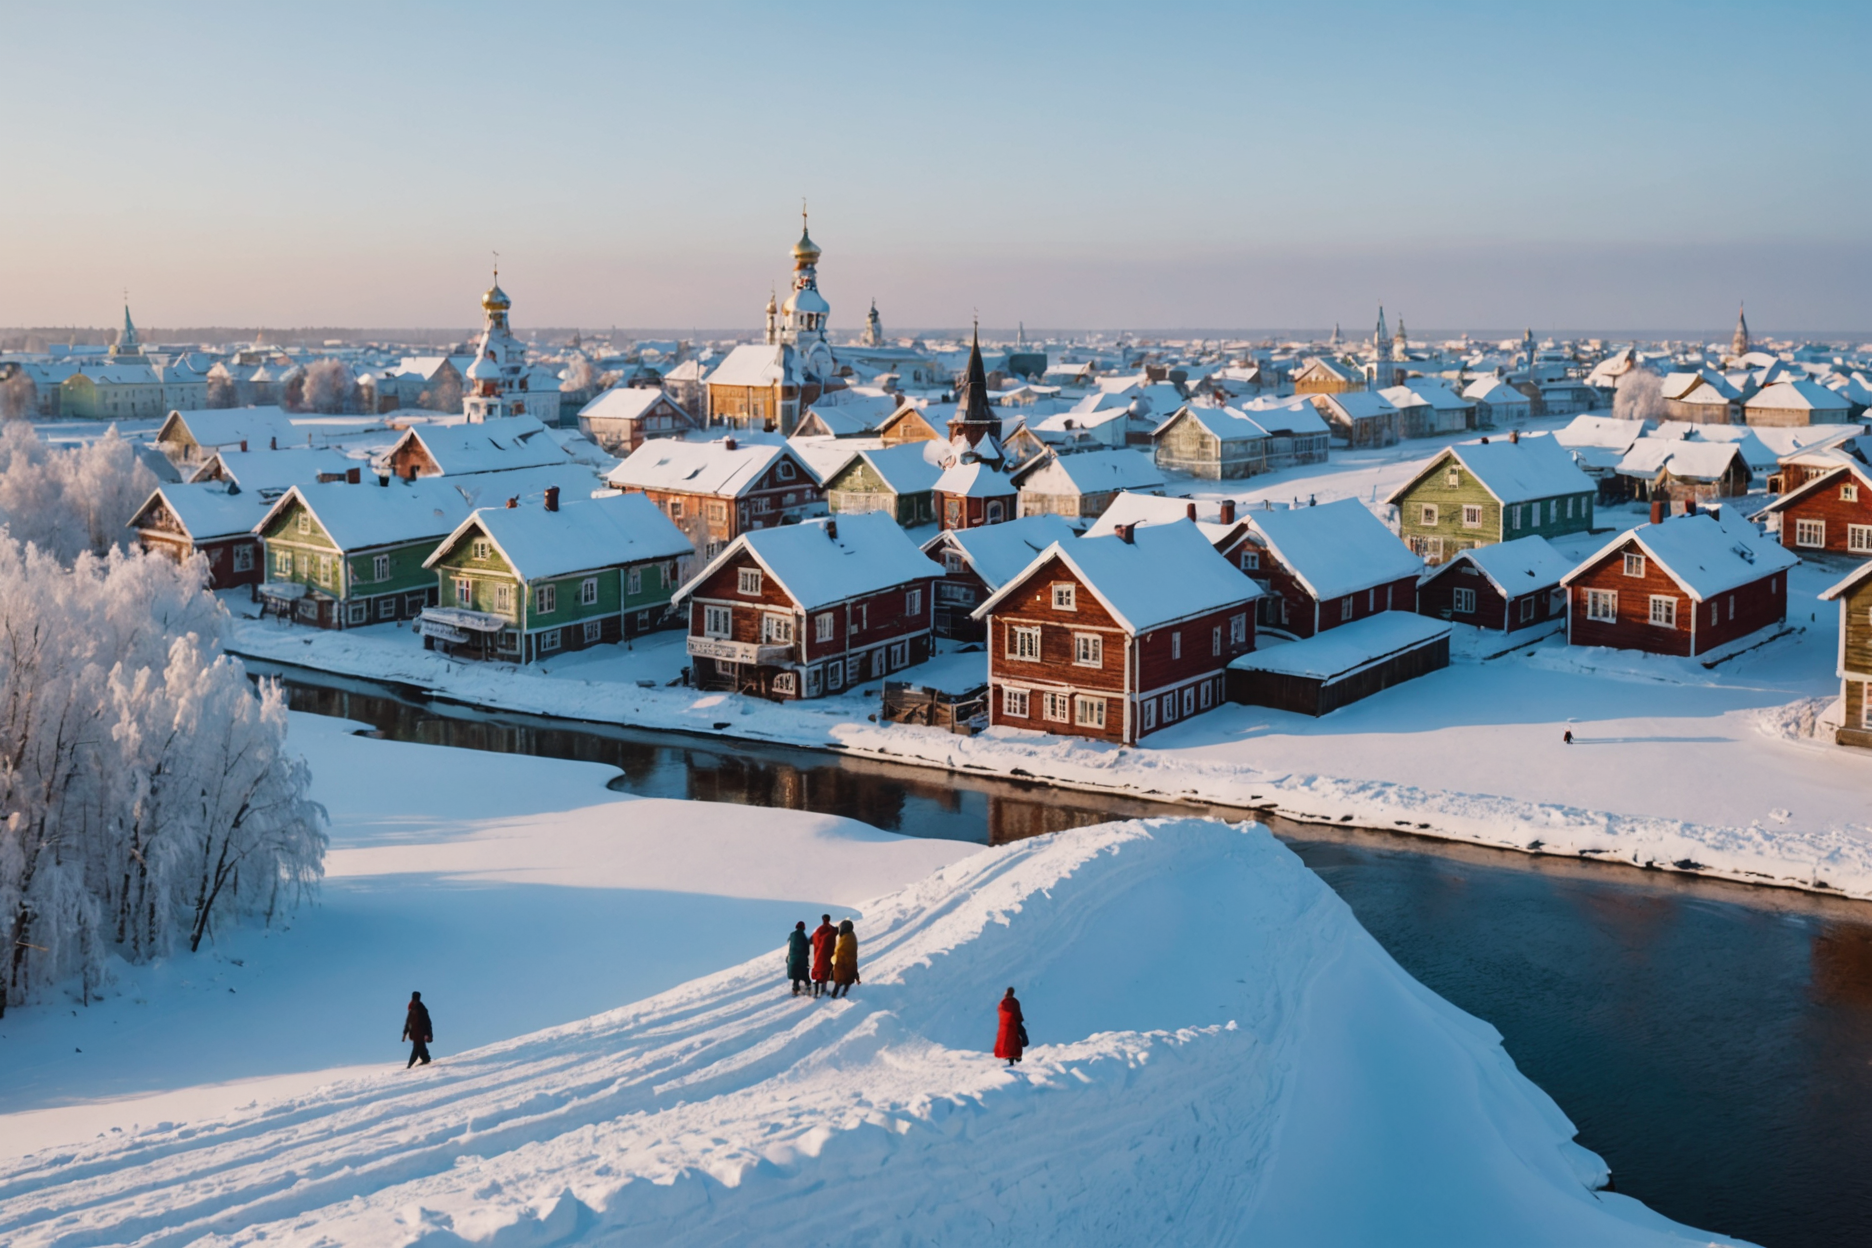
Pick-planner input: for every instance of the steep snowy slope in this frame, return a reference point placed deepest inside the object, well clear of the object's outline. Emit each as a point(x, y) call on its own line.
point(1224, 1056)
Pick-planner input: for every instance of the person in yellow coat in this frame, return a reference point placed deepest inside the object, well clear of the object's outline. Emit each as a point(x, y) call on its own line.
point(845, 960)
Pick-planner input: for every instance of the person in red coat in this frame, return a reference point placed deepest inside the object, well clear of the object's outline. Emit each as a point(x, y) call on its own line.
point(824, 938)
point(1011, 1040)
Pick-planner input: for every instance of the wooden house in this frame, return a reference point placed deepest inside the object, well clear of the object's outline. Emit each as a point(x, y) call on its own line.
point(810, 609)
point(522, 583)
point(1505, 586)
point(1322, 374)
point(1497, 403)
point(1323, 567)
point(1115, 637)
point(1799, 402)
point(908, 423)
point(715, 491)
point(845, 414)
point(1705, 397)
point(1361, 417)
point(767, 386)
point(1677, 470)
point(623, 418)
point(1080, 487)
point(1297, 433)
point(192, 437)
point(1215, 443)
point(207, 519)
point(1022, 447)
point(1793, 469)
point(1854, 595)
point(1828, 514)
point(898, 480)
point(480, 446)
point(977, 561)
point(1322, 673)
point(1683, 586)
point(340, 555)
point(1493, 491)
point(970, 495)
point(1426, 407)
point(269, 474)
point(1598, 444)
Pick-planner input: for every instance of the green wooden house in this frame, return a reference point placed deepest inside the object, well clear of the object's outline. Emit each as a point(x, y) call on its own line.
point(340, 555)
point(524, 582)
point(1493, 491)
point(898, 479)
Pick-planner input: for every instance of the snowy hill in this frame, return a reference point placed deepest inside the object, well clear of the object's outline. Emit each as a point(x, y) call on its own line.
point(1224, 1056)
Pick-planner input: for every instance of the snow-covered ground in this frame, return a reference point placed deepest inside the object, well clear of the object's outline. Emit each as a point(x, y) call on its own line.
point(1675, 765)
point(1224, 1055)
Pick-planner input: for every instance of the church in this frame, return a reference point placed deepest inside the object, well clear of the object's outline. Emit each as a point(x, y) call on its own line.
point(770, 384)
point(496, 384)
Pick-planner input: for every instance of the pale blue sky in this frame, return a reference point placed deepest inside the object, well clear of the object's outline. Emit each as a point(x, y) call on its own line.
point(1616, 166)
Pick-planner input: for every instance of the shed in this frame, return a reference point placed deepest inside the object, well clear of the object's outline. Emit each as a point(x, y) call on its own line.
point(1336, 668)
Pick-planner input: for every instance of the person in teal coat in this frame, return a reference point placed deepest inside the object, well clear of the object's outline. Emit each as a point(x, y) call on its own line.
point(798, 957)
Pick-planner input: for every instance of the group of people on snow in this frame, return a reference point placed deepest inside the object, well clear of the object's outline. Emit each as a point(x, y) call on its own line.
point(829, 954)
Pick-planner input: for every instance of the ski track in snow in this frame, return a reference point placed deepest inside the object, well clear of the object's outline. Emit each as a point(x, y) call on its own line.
point(1189, 984)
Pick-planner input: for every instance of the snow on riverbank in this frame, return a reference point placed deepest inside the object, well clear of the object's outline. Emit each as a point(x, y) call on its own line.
point(1224, 1056)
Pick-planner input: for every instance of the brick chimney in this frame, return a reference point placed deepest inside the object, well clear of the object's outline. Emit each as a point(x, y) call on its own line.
point(552, 498)
point(272, 444)
point(513, 503)
point(1124, 532)
point(1514, 435)
point(243, 446)
point(728, 444)
point(1191, 510)
point(831, 530)
point(1657, 511)
point(1228, 511)
point(353, 476)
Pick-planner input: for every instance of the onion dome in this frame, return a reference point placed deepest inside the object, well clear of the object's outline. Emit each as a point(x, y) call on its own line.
point(495, 300)
point(805, 251)
point(485, 369)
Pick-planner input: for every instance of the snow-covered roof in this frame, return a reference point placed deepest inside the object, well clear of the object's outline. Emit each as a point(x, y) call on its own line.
point(1165, 573)
point(830, 559)
point(753, 364)
point(206, 510)
point(265, 470)
point(1706, 554)
point(1343, 650)
point(1693, 461)
point(1360, 404)
point(1493, 390)
point(624, 403)
point(1791, 439)
point(1602, 432)
point(1513, 470)
point(703, 467)
point(258, 427)
point(1224, 423)
point(1519, 567)
point(1800, 395)
point(906, 468)
point(1756, 453)
point(581, 535)
point(1850, 582)
point(1093, 472)
point(1288, 417)
point(357, 517)
point(1335, 549)
point(1835, 474)
point(998, 552)
point(975, 480)
point(1144, 509)
point(487, 446)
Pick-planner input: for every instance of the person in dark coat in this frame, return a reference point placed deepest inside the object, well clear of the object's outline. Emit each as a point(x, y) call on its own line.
point(845, 960)
point(824, 940)
point(1011, 1039)
point(417, 1031)
point(798, 956)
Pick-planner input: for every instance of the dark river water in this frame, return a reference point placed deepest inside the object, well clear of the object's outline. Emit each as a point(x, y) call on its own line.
point(1712, 1041)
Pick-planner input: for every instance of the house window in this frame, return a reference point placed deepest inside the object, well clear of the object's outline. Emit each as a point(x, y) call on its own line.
point(1517, 516)
point(1250, 560)
point(1189, 700)
point(1715, 612)
point(386, 608)
point(1453, 477)
point(953, 561)
point(546, 599)
point(717, 511)
point(1634, 565)
point(1427, 514)
point(1849, 493)
point(812, 682)
point(1056, 707)
point(243, 558)
point(1204, 694)
point(1088, 650)
point(1464, 602)
point(762, 506)
point(1471, 516)
point(1176, 645)
point(748, 581)
point(1732, 606)
point(1089, 712)
point(1238, 628)
point(588, 591)
point(994, 511)
point(1858, 541)
point(549, 640)
point(1810, 533)
point(1602, 605)
point(1345, 607)
point(960, 594)
point(503, 597)
point(717, 622)
point(633, 582)
point(786, 470)
point(1169, 707)
point(594, 632)
point(777, 629)
point(481, 548)
point(1065, 597)
point(1527, 608)
point(1569, 508)
point(823, 624)
point(1023, 643)
point(1663, 610)
point(675, 508)
point(305, 523)
point(864, 617)
point(899, 654)
point(835, 676)
point(913, 602)
point(785, 682)
point(1149, 714)
point(324, 569)
point(282, 563)
point(380, 568)
point(357, 613)
point(1215, 640)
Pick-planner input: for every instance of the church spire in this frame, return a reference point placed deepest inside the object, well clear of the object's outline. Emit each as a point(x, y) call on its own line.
point(974, 420)
point(1738, 345)
point(127, 343)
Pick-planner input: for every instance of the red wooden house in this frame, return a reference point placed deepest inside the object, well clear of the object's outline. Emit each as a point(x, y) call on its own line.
point(1828, 514)
point(1682, 586)
point(978, 561)
point(809, 609)
point(715, 491)
point(1115, 637)
point(974, 494)
point(1503, 585)
point(208, 519)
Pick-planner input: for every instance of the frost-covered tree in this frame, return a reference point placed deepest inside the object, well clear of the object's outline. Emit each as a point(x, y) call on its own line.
point(1640, 396)
point(329, 386)
point(579, 374)
point(19, 397)
point(146, 794)
point(221, 389)
point(68, 501)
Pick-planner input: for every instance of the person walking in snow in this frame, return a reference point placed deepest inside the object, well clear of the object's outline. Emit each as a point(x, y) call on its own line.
point(824, 938)
point(798, 956)
point(1011, 1039)
point(845, 960)
point(417, 1031)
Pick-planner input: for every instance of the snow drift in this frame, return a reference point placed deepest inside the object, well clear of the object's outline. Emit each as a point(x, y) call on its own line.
point(1223, 1056)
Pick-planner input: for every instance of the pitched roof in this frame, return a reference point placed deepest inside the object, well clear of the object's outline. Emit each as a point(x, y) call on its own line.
point(1146, 509)
point(1493, 390)
point(754, 364)
point(1706, 554)
point(1512, 470)
point(206, 510)
point(830, 559)
point(975, 480)
point(1359, 404)
point(998, 552)
point(1165, 573)
point(1601, 432)
point(625, 403)
point(703, 467)
point(361, 516)
point(1091, 472)
point(1286, 417)
point(1519, 567)
point(1833, 476)
point(271, 471)
point(1224, 423)
point(1339, 651)
point(489, 446)
point(230, 426)
point(1801, 394)
point(1850, 582)
point(582, 535)
point(1692, 461)
point(905, 468)
point(1337, 548)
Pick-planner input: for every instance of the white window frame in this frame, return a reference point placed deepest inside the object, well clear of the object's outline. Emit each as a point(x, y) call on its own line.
point(1205, 695)
point(282, 563)
point(594, 632)
point(1065, 596)
point(1858, 541)
point(1215, 640)
point(1023, 643)
point(243, 558)
point(1849, 493)
point(1148, 714)
point(953, 561)
point(1462, 602)
point(480, 548)
point(717, 621)
point(1634, 564)
point(1427, 513)
point(545, 599)
point(1169, 708)
point(588, 591)
point(1014, 702)
point(1250, 559)
point(1056, 708)
point(813, 681)
point(1452, 476)
point(1472, 516)
point(824, 626)
point(776, 629)
point(1089, 712)
point(386, 607)
point(913, 602)
point(357, 613)
point(503, 597)
point(835, 675)
point(1176, 644)
point(633, 582)
point(1238, 628)
point(748, 581)
point(1602, 605)
point(380, 568)
point(549, 641)
point(305, 521)
point(1810, 534)
point(1346, 607)
point(1517, 517)
point(464, 592)
point(785, 682)
point(1189, 700)
point(1527, 608)
point(1663, 611)
point(899, 655)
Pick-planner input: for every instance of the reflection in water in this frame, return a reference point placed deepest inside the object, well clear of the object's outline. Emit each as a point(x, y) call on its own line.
point(1712, 1042)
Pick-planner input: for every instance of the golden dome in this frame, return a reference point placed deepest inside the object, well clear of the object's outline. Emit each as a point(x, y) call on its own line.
point(495, 300)
point(805, 251)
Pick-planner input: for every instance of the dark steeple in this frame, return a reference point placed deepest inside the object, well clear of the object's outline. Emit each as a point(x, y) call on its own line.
point(974, 419)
